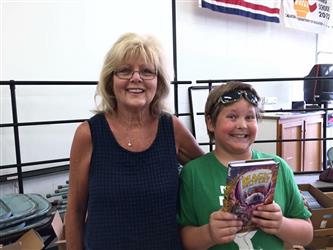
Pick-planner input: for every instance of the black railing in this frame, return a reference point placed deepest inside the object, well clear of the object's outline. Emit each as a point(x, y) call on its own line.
point(208, 84)
point(64, 166)
point(20, 174)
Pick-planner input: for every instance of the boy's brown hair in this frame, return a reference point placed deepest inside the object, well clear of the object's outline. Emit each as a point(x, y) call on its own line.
point(214, 105)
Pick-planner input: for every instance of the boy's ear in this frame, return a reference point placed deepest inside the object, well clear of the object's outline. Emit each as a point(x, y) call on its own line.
point(209, 124)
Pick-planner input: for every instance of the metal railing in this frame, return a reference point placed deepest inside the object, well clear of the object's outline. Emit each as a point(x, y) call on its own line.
point(64, 166)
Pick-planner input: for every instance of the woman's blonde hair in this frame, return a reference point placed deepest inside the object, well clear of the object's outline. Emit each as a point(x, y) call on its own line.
point(214, 106)
point(132, 46)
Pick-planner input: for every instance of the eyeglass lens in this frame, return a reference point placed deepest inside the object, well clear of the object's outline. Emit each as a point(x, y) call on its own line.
point(128, 73)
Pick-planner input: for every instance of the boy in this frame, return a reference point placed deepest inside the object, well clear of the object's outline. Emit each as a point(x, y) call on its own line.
point(231, 114)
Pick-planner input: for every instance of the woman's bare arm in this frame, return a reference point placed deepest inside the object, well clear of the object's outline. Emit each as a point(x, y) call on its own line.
point(186, 145)
point(78, 187)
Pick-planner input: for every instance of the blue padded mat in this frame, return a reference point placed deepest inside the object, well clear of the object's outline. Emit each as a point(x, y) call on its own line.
point(24, 207)
point(20, 228)
point(5, 211)
point(21, 206)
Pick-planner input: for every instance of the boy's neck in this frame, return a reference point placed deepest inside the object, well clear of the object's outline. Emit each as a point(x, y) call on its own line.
point(224, 157)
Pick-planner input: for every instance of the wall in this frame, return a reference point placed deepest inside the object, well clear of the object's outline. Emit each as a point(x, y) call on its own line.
point(62, 40)
point(67, 40)
point(214, 45)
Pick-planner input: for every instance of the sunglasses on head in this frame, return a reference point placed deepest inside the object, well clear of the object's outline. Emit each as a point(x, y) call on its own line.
point(234, 96)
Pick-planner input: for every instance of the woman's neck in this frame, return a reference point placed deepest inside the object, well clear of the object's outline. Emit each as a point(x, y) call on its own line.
point(132, 119)
point(135, 132)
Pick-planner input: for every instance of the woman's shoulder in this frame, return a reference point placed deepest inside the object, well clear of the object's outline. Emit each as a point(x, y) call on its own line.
point(177, 124)
point(83, 131)
point(96, 116)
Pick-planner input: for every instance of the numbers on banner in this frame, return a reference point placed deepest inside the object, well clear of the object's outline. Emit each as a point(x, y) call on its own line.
point(324, 15)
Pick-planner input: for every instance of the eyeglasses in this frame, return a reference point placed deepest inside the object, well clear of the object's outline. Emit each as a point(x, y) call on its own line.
point(234, 96)
point(126, 74)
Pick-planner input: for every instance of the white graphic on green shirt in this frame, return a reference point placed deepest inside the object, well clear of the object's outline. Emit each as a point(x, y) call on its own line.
point(243, 240)
point(221, 197)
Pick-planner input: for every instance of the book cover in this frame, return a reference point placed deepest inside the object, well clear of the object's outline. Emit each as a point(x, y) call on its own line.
point(250, 183)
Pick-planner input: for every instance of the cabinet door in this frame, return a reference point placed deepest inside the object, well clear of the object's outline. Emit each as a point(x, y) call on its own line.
point(292, 152)
point(313, 149)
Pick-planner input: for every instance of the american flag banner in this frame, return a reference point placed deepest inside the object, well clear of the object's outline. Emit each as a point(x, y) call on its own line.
point(264, 10)
point(308, 15)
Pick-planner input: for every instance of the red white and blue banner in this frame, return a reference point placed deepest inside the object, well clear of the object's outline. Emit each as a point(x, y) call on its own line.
point(308, 15)
point(265, 10)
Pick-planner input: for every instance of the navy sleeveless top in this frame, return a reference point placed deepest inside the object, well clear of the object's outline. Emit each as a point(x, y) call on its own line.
point(132, 201)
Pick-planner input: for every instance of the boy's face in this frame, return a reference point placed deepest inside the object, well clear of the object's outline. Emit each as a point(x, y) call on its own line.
point(236, 127)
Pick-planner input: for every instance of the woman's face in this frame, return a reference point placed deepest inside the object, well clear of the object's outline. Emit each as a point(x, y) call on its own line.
point(236, 127)
point(137, 92)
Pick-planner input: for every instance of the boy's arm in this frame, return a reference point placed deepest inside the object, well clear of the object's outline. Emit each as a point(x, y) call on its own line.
point(296, 231)
point(292, 230)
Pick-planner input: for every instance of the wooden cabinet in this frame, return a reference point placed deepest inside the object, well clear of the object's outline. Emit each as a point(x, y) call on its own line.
point(291, 151)
point(300, 155)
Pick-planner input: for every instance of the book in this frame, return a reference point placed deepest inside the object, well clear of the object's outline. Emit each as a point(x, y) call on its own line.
point(250, 183)
point(310, 201)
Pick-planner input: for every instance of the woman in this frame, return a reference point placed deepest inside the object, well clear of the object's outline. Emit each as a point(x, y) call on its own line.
point(124, 160)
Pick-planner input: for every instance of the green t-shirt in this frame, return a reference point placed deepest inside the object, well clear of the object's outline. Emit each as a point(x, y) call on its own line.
point(202, 183)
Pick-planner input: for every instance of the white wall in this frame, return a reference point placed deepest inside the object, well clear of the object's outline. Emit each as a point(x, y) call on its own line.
point(62, 40)
point(67, 40)
point(213, 45)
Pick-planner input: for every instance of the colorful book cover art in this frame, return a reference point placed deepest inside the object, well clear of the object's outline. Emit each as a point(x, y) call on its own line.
point(250, 183)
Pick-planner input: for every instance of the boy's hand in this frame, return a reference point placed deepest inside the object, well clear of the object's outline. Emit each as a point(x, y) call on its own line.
point(268, 218)
point(223, 227)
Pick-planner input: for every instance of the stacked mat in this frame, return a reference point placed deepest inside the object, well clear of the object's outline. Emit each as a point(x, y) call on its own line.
point(21, 212)
point(58, 199)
